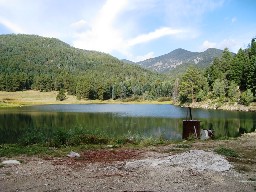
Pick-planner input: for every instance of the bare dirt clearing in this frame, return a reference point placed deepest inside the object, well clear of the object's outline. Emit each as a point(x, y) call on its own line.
point(177, 167)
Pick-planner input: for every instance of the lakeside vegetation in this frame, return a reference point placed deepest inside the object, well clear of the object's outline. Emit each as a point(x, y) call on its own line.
point(59, 142)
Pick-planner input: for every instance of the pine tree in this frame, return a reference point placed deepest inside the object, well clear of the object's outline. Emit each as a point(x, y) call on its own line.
point(61, 95)
point(191, 83)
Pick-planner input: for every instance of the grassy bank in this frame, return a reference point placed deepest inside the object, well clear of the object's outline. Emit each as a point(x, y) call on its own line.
point(21, 98)
point(89, 142)
point(53, 141)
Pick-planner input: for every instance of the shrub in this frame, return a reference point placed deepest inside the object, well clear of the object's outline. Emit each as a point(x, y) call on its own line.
point(61, 95)
point(246, 97)
point(162, 99)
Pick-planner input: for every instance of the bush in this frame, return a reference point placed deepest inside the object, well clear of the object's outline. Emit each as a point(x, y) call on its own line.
point(201, 95)
point(162, 99)
point(61, 95)
point(246, 97)
point(133, 98)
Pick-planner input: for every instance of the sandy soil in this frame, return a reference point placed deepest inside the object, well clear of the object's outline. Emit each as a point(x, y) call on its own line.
point(182, 167)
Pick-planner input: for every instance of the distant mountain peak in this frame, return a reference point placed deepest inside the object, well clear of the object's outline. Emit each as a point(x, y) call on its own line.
point(181, 57)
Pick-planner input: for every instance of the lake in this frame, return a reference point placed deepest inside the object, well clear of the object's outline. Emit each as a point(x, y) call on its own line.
point(145, 120)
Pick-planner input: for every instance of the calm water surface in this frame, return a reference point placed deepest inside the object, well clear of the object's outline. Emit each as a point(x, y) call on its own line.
point(147, 120)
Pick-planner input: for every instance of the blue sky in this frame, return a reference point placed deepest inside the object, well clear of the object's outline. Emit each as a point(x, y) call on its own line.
point(135, 29)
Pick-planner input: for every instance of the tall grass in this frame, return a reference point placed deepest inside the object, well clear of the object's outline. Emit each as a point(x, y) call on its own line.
point(59, 141)
point(59, 137)
point(62, 137)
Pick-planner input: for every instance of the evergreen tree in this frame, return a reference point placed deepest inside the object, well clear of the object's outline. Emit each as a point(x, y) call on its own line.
point(61, 95)
point(246, 97)
point(219, 87)
point(191, 83)
point(214, 72)
point(233, 92)
point(237, 67)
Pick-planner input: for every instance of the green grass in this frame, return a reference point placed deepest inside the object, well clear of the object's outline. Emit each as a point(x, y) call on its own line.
point(226, 152)
point(58, 141)
point(7, 105)
point(11, 150)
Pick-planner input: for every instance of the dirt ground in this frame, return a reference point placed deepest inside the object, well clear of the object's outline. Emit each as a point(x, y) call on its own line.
point(177, 167)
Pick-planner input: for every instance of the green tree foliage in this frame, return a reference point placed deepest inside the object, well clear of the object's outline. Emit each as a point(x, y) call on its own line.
point(192, 86)
point(233, 92)
point(238, 66)
point(246, 97)
point(251, 68)
point(219, 87)
point(214, 72)
point(47, 64)
point(226, 63)
point(232, 74)
point(221, 68)
point(61, 96)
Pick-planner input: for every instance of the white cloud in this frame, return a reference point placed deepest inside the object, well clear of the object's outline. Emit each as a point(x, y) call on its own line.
point(137, 58)
point(153, 35)
point(11, 26)
point(117, 27)
point(103, 36)
point(231, 44)
point(79, 24)
point(207, 44)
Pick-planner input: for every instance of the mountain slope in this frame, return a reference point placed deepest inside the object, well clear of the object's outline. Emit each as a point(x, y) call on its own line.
point(46, 64)
point(180, 57)
point(36, 55)
point(34, 51)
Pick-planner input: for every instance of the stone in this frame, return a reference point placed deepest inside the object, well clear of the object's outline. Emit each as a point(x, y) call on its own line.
point(73, 154)
point(11, 162)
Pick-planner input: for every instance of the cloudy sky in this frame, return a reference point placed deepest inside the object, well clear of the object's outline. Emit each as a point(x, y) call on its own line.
point(134, 29)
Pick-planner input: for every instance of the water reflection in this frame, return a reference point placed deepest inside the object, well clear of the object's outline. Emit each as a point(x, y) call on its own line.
point(119, 120)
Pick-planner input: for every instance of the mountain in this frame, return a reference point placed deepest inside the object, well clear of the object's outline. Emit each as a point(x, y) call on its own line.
point(128, 61)
point(181, 57)
point(36, 55)
point(47, 64)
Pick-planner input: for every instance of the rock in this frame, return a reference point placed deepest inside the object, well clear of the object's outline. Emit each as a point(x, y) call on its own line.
point(73, 154)
point(11, 162)
point(201, 160)
point(198, 160)
point(204, 135)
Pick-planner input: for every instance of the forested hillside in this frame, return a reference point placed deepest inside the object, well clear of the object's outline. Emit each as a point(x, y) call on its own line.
point(231, 78)
point(46, 64)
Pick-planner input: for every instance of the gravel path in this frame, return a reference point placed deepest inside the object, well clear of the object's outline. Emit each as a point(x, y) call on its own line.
point(133, 170)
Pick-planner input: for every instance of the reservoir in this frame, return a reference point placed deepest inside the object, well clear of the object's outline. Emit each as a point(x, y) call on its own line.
point(143, 120)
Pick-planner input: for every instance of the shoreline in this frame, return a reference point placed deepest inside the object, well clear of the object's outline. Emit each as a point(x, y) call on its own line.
point(149, 168)
point(228, 106)
point(31, 97)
